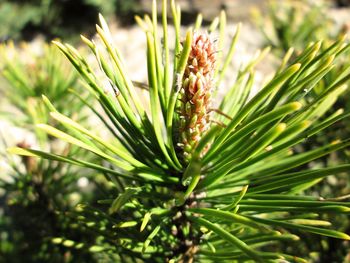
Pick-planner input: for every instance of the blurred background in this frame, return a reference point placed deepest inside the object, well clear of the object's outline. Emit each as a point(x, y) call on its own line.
point(27, 19)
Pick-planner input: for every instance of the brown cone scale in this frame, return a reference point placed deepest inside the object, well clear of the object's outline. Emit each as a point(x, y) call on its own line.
point(195, 94)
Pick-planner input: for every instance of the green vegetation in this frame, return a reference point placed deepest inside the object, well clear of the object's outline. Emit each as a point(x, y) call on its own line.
point(63, 19)
point(172, 178)
point(38, 194)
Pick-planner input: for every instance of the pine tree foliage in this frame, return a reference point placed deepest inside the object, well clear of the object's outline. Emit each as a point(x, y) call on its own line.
point(241, 187)
point(28, 74)
point(37, 193)
point(289, 24)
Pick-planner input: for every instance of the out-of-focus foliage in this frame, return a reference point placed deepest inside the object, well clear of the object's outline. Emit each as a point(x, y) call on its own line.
point(293, 23)
point(34, 205)
point(15, 23)
point(57, 18)
point(31, 72)
point(38, 198)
